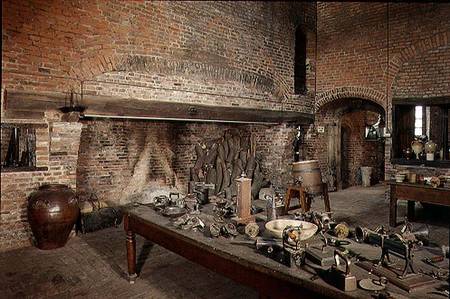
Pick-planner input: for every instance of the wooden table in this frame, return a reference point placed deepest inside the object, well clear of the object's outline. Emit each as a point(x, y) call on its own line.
point(240, 263)
point(413, 193)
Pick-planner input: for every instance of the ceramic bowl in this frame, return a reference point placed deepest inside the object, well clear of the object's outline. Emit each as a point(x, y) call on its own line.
point(276, 227)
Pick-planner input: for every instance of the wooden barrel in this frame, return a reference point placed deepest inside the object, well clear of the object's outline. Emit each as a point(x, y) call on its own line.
point(308, 173)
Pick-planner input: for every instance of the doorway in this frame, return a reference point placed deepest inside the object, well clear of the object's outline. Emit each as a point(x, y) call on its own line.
point(345, 156)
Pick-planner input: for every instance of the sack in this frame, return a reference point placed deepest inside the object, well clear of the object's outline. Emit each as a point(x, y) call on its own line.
point(100, 217)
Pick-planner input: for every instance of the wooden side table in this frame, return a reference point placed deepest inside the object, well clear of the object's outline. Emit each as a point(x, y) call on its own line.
point(304, 197)
point(413, 193)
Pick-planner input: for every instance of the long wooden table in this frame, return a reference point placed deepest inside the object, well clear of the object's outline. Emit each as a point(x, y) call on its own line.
point(413, 193)
point(240, 263)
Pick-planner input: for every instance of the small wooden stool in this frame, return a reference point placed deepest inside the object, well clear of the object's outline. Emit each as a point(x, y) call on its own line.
point(305, 198)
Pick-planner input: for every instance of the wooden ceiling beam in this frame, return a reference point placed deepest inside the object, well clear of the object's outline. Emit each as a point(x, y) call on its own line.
point(118, 107)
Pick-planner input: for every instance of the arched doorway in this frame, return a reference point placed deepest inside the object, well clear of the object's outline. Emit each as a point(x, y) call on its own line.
point(347, 146)
point(345, 155)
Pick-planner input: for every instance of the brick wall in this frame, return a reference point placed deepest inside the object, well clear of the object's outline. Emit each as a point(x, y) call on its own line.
point(355, 151)
point(120, 157)
point(57, 146)
point(352, 55)
point(216, 53)
point(208, 52)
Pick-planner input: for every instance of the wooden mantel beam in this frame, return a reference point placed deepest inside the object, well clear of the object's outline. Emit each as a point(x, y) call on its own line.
point(118, 107)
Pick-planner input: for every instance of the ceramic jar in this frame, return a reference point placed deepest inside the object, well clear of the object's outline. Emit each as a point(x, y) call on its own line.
point(417, 147)
point(52, 212)
point(430, 149)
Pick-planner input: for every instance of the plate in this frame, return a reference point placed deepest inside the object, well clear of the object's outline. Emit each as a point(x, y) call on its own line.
point(370, 284)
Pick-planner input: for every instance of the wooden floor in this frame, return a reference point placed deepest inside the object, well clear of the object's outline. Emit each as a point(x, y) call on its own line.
point(94, 265)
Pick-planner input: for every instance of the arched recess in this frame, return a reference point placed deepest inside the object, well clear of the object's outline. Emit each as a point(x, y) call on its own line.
point(344, 120)
point(338, 93)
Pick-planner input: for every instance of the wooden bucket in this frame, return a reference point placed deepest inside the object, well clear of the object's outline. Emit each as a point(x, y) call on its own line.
point(308, 173)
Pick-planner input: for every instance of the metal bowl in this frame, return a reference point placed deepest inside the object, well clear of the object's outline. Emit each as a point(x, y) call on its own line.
point(173, 211)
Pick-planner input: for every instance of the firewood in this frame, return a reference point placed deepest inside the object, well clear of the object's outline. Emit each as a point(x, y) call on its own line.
point(233, 189)
point(201, 156)
point(236, 170)
point(212, 154)
point(226, 147)
point(211, 176)
point(221, 152)
point(231, 150)
point(243, 158)
point(237, 147)
point(245, 143)
point(250, 168)
point(227, 191)
point(226, 177)
point(257, 181)
point(194, 175)
point(219, 175)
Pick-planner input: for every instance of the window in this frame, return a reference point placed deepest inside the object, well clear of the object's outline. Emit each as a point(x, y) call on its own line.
point(300, 62)
point(423, 119)
point(418, 121)
point(18, 147)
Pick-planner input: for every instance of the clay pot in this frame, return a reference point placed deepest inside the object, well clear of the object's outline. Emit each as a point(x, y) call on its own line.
point(52, 212)
point(430, 147)
point(417, 147)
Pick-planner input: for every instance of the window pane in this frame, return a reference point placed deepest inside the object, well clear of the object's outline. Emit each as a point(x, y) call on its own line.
point(418, 131)
point(419, 112)
point(418, 123)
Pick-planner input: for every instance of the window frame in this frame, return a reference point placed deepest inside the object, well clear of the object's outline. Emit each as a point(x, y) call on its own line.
point(444, 104)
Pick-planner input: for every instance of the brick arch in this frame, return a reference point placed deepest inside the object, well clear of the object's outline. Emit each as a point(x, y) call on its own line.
point(109, 61)
point(408, 53)
point(364, 93)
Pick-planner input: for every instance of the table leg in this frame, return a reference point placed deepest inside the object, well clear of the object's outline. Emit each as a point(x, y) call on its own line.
point(131, 256)
point(287, 201)
point(303, 199)
point(393, 207)
point(326, 199)
point(411, 210)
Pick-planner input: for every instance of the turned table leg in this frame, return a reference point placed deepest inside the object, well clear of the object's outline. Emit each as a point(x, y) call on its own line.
point(393, 207)
point(131, 256)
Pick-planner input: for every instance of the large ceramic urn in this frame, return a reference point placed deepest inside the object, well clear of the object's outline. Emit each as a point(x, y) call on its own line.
point(417, 147)
point(52, 212)
point(430, 149)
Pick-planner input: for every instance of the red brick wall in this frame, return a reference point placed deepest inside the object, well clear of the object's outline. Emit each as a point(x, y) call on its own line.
point(245, 48)
point(57, 149)
point(120, 157)
point(362, 152)
point(359, 152)
point(219, 53)
point(352, 56)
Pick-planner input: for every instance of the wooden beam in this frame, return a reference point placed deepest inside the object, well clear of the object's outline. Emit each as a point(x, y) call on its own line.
point(431, 101)
point(109, 106)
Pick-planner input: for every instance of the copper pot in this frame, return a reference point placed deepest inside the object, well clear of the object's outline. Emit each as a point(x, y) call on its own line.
point(52, 212)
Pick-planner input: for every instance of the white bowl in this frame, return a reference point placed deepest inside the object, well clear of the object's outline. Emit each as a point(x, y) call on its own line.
point(276, 227)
